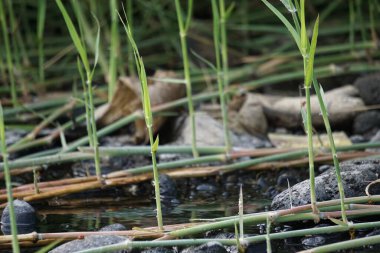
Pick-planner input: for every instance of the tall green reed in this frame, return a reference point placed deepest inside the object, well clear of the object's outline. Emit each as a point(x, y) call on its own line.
point(307, 50)
point(114, 54)
point(7, 175)
point(88, 89)
point(183, 29)
point(308, 62)
point(148, 117)
point(223, 16)
point(131, 63)
point(221, 81)
point(9, 59)
point(40, 40)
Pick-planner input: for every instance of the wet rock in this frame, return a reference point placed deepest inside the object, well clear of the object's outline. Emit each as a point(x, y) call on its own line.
point(375, 138)
point(324, 168)
point(211, 247)
point(94, 241)
point(369, 88)
point(25, 218)
point(229, 249)
point(356, 176)
point(158, 250)
point(206, 189)
point(357, 138)
point(90, 242)
point(209, 132)
point(367, 122)
point(313, 241)
point(271, 192)
point(285, 177)
point(168, 188)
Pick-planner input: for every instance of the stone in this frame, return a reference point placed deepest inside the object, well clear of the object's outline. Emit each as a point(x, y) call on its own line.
point(369, 88)
point(168, 188)
point(375, 138)
point(158, 250)
point(25, 218)
point(356, 176)
point(89, 242)
point(210, 132)
point(94, 241)
point(210, 247)
point(367, 122)
point(313, 241)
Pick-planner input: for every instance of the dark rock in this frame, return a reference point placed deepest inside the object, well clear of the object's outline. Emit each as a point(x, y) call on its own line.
point(357, 138)
point(158, 250)
point(285, 177)
point(356, 176)
point(324, 168)
point(206, 189)
point(375, 138)
point(211, 247)
point(25, 218)
point(271, 192)
point(256, 247)
point(90, 242)
point(369, 88)
point(367, 122)
point(313, 241)
point(230, 249)
point(168, 188)
point(114, 227)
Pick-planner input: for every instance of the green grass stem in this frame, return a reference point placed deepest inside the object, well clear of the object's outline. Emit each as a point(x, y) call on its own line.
point(114, 54)
point(8, 183)
point(8, 52)
point(41, 15)
point(183, 29)
point(145, 97)
point(90, 111)
point(219, 73)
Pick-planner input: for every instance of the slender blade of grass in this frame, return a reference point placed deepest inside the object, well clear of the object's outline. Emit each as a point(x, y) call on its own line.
point(313, 46)
point(74, 35)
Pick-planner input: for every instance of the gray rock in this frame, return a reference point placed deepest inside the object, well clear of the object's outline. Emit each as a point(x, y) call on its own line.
point(369, 88)
point(209, 132)
point(313, 241)
point(25, 218)
point(90, 242)
point(211, 247)
point(94, 241)
point(168, 188)
point(158, 250)
point(375, 138)
point(114, 227)
point(356, 176)
point(366, 122)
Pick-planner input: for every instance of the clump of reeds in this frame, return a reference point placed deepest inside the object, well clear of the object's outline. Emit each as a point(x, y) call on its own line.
point(307, 50)
point(220, 44)
point(148, 118)
point(8, 184)
point(87, 78)
point(183, 29)
point(9, 58)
